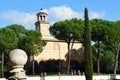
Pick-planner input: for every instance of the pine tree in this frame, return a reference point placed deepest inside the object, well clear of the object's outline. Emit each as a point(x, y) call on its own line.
point(88, 48)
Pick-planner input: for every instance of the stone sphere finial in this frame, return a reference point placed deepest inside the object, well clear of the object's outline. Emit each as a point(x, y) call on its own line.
point(17, 60)
point(18, 57)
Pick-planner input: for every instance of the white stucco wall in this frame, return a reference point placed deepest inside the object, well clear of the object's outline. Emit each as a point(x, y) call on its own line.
point(2, 79)
point(97, 77)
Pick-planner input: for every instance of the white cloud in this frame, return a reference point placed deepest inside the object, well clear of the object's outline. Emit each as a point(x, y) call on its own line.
point(62, 13)
point(25, 19)
point(97, 15)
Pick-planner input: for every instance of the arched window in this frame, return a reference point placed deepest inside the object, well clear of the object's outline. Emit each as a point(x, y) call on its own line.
point(44, 17)
point(40, 18)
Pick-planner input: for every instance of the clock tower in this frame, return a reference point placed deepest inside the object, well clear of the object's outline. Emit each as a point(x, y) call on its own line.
point(42, 25)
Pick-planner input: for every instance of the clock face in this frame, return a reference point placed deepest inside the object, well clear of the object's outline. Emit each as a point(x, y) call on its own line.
point(44, 28)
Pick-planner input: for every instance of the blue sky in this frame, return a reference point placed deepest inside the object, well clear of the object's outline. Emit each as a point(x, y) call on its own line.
point(24, 11)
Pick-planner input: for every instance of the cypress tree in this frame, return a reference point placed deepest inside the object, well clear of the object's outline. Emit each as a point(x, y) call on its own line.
point(88, 48)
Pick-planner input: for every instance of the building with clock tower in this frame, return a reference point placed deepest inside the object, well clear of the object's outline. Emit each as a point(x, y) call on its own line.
point(54, 49)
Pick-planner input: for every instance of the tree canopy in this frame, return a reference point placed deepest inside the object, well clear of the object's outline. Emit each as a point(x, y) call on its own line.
point(8, 40)
point(28, 40)
point(18, 29)
point(32, 42)
point(68, 30)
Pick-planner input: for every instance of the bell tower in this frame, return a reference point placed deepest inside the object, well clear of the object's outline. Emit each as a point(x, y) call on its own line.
point(42, 25)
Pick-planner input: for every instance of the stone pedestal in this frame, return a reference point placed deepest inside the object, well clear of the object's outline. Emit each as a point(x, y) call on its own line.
point(17, 60)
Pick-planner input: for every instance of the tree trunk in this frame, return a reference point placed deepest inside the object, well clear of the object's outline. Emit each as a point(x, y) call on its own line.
point(98, 58)
point(68, 58)
point(2, 64)
point(33, 66)
point(59, 62)
point(116, 59)
point(69, 55)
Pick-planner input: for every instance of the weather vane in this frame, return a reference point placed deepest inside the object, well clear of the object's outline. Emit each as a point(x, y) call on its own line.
point(41, 9)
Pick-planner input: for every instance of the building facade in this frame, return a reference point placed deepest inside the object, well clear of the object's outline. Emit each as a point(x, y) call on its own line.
point(54, 49)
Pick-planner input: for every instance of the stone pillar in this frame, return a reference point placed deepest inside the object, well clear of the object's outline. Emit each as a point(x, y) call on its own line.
point(17, 60)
